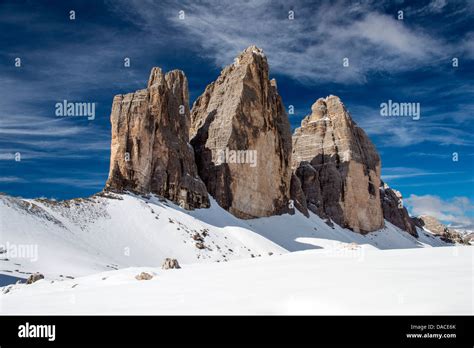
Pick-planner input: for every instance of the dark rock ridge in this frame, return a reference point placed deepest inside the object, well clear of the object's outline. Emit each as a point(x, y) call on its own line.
point(394, 211)
point(297, 195)
point(150, 150)
point(242, 113)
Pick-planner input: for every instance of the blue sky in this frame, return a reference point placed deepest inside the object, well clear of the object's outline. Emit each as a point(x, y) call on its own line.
point(407, 60)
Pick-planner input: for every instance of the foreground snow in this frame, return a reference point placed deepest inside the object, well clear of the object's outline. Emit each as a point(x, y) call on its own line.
point(90, 251)
point(352, 280)
point(86, 236)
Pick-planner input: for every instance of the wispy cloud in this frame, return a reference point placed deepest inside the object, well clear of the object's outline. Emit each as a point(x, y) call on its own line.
point(443, 183)
point(391, 173)
point(37, 137)
point(11, 179)
point(29, 130)
point(73, 70)
point(427, 154)
point(309, 48)
point(71, 182)
point(437, 154)
point(75, 182)
point(452, 211)
point(403, 131)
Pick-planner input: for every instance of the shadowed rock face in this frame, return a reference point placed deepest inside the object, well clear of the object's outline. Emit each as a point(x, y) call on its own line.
point(297, 195)
point(338, 167)
point(150, 150)
point(242, 111)
point(394, 211)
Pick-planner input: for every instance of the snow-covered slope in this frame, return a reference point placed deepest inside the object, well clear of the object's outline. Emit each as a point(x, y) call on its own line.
point(86, 236)
point(360, 281)
point(296, 232)
point(110, 231)
point(90, 251)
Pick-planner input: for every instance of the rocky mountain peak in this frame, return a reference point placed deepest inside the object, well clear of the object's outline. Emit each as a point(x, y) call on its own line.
point(242, 140)
point(157, 76)
point(150, 150)
point(251, 54)
point(241, 150)
point(350, 141)
point(338, 167)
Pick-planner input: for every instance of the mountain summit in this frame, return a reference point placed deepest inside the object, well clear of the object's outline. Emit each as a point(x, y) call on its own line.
point(236, 145)
point(150, 152)
point(339, 167)
point(241, 113)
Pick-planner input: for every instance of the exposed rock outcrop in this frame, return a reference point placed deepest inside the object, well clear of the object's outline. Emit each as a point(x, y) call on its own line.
point(143, 276)
point(34, 278)
point(339, 167)
point(469, 238)
point(241, 151)
point(242, 139)
point(150, 150)
point(394, 211)
point(431, 223)
point(445, 233)
point(170, 264)
point(297, 195)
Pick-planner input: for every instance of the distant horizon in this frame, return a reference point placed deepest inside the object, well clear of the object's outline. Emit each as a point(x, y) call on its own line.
point(368, 57)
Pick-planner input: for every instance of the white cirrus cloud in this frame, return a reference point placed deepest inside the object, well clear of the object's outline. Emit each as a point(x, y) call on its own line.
point(309, 48)
point(11, 179)
point(403, 131)
point(392, 173)
point(75, 182)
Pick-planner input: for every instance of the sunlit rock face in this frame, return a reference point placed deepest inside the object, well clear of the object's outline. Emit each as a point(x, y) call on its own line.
point(242, 139)
point(338, 167)
point(150, 152)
